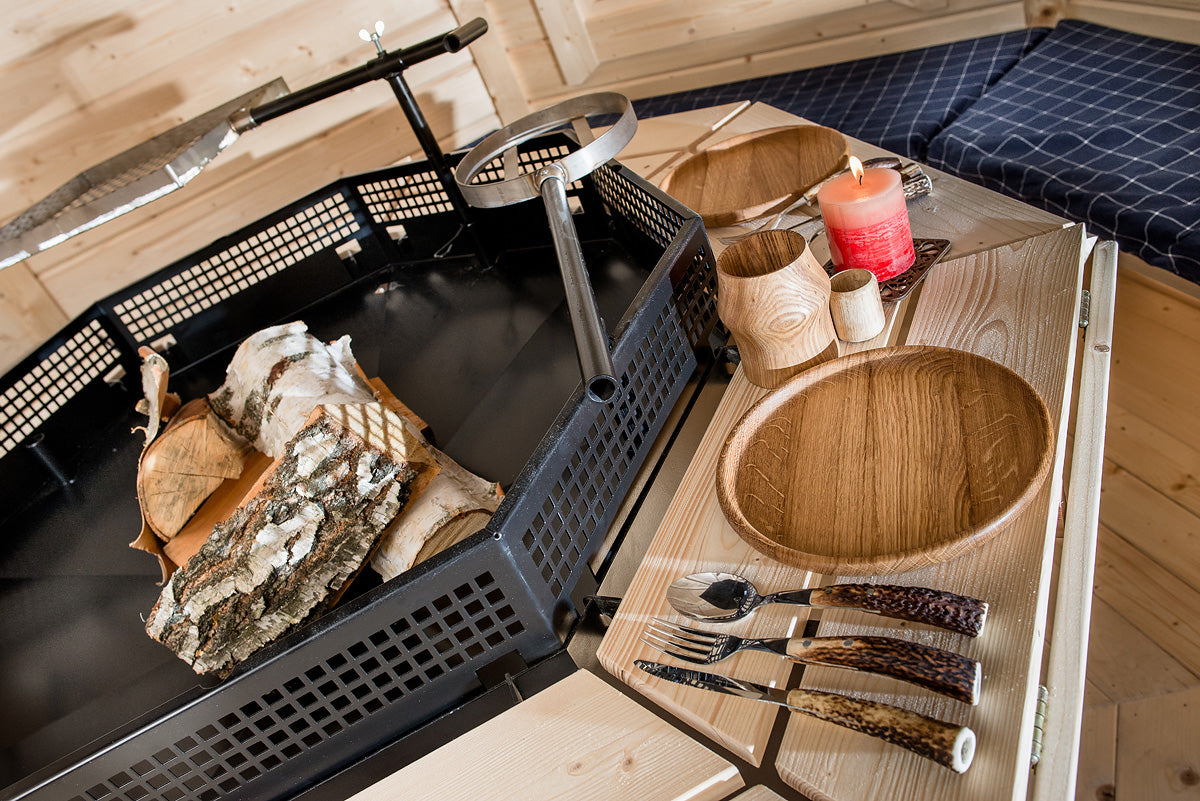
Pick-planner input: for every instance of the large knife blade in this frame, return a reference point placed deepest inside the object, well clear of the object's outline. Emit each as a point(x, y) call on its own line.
point(947, 744)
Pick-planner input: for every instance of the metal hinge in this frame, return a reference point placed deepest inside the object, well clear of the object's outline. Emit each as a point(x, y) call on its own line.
point(1039, 724)
point(1085, 308)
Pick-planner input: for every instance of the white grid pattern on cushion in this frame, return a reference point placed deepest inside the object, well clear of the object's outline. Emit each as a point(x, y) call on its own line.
point(897, 101)
point(1100, 126)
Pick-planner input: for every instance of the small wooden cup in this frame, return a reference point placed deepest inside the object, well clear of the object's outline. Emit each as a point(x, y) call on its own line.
point(774, 296)
point(855, 305)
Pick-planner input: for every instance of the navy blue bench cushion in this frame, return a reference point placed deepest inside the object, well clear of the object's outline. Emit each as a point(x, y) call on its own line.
point(1100, 126)
point(896, 101)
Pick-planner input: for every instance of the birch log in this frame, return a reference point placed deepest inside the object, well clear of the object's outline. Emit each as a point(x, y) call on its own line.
point(456, 504)
point(278, 376)
point(312, 523)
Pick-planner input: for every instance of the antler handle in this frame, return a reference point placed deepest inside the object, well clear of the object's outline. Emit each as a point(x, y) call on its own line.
point(945, 743)
point(919, 604)
point(935, 669)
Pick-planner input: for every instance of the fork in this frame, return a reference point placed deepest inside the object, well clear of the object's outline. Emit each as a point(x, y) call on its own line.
point(933, 668)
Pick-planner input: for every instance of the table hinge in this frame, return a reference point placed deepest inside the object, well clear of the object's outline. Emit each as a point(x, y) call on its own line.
point(1039, 726)
point(1085, 308)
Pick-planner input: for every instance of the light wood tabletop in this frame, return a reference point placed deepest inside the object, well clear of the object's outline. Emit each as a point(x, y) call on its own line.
point(1009, 289)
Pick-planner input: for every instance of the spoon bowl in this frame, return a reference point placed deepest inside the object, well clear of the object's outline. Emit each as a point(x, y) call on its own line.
point(714, 596)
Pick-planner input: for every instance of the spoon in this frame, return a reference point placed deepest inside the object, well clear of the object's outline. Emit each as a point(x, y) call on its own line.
point(720, 597)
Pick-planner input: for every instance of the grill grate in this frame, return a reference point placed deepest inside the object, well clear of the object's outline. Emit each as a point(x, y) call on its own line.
point(380, 665)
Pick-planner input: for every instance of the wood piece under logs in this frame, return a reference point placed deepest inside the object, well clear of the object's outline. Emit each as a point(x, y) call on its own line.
point(294, 544)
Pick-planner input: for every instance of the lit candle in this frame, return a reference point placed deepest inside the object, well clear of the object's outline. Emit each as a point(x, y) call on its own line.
point(867, 221)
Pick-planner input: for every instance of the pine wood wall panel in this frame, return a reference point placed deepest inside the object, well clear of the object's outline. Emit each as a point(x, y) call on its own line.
point(83, 81)
point(303, 45)
point(28, 315)
point(656, 46)
point(1178, 20)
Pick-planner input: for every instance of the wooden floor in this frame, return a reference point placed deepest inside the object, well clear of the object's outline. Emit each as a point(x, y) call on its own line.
point(1141, 730)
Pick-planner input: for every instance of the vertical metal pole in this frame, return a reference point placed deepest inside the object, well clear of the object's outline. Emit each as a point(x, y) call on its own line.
point(591, 340)
point(437, 160)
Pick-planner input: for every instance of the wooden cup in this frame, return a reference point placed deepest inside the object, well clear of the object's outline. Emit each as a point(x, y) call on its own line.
point(855, 305)
point(774, 297)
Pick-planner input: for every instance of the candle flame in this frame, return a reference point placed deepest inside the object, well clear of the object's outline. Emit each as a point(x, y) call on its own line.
point(856, 168)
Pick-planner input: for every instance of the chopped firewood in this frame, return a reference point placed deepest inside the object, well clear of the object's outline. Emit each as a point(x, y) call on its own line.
point(312, 522)
point(184, 464)
point(455, 505)
point(278, 376)
point(158, 405)
point(219, 506)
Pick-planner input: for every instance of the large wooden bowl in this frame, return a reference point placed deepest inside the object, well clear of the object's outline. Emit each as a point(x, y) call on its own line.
point(885, 461)
point(755, 174)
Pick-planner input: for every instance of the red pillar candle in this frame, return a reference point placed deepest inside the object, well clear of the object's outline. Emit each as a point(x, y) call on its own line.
point(867, 221)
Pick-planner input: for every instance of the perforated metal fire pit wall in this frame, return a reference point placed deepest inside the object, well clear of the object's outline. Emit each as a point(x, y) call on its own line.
point(397, 654)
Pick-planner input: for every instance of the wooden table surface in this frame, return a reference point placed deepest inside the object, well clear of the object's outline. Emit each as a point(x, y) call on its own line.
point(1009, 290)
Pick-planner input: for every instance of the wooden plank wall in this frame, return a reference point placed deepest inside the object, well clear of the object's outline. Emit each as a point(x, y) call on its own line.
point(82, 81)
point(1140, 734)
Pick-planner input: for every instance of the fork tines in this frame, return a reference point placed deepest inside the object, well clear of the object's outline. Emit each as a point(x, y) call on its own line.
point(671, 639)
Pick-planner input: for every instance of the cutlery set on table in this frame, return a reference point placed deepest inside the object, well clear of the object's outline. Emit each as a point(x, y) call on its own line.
point(725, 597)
point(880, 461)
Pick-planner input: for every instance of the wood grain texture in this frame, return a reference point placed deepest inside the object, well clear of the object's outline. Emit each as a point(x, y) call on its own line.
point(579, 739)
point(885, 461)
point(28, 314)
point(1160, 528)
point(754, 174)
point(774, 297)
point(1121, 678)
point(1148, 595)
point(1162, 759)
point(653, 47)
point(1179, 21)
point(177, 472)
point(1150, 450)
point(855, 306)
point(694, 535)
point(82, 84)
point(1017, 305)
point(1066, 673)
point(1096, 775)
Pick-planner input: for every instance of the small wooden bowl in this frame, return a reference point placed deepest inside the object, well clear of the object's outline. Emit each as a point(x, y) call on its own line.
point(755, 174)
point(885, 461)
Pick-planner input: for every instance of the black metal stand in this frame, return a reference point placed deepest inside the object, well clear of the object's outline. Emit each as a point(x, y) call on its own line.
point(389, 66)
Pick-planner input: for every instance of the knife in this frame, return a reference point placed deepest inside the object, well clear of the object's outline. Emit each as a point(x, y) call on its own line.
point(947, 744)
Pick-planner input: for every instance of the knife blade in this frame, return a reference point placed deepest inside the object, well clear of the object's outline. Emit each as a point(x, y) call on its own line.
point(947, 744)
